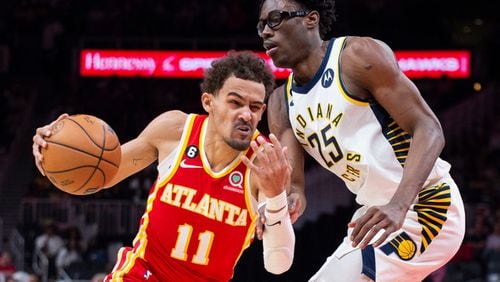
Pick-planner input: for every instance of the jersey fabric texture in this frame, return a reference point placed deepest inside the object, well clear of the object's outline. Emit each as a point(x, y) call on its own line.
point(359, 142)
point(197, 222)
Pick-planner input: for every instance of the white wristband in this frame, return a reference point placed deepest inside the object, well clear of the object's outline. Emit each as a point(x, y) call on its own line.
point(276, 203)
point(276, 209)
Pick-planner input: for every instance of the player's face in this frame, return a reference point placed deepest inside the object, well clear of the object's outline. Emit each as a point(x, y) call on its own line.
point(282, 30)
point(237, 109)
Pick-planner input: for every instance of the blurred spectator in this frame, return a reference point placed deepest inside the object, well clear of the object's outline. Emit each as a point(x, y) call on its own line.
point(492, 250)
point(71, 253)
point(22, 276)
point(493, 239)
point(7, 267)
point(49, 244)
point(476, 236)
point(98, 277)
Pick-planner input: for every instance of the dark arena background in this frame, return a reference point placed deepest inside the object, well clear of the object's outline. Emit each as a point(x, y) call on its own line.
point(53, 60)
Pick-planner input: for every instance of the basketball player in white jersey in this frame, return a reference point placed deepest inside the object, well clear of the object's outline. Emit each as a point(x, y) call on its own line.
point(349, 106)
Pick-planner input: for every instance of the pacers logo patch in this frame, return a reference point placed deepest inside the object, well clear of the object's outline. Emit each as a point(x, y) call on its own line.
point(402, 245)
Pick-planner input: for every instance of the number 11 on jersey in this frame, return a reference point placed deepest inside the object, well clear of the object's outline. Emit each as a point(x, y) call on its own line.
point(202, 253)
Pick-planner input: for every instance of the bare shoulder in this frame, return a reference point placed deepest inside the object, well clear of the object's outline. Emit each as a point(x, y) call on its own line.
point(164, 132)
point(366, 63)
point(166, 127)
point(171, 118)
point(367, 50)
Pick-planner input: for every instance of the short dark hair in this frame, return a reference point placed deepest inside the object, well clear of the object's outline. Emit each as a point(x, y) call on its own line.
point(244, 65)
point(326, 10)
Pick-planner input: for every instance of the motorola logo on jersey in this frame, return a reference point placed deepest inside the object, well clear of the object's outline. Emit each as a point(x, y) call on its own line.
point(191, 151)
point(327, 78)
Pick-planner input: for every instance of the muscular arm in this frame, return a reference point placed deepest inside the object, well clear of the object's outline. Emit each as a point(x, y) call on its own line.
point(155, 142)
point(371, 72)
point(279, 125)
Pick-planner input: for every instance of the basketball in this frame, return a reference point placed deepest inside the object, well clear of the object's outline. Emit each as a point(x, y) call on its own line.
point(82, 154)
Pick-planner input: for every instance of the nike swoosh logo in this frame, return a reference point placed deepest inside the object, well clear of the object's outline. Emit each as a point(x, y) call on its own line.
point(276, 223)
point(185, 165)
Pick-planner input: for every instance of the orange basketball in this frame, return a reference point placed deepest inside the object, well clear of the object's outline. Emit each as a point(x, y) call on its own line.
point(82, 155)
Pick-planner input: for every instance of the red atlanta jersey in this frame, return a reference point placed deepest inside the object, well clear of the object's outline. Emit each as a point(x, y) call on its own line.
point(197, 222)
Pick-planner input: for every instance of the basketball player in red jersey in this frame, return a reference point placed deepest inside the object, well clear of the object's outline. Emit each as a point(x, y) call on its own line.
point(213, 169)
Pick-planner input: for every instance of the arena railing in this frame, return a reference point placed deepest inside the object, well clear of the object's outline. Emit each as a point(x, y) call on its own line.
point(111, 217)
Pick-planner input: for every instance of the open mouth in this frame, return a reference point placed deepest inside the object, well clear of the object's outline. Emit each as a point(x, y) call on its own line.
point(244, 130)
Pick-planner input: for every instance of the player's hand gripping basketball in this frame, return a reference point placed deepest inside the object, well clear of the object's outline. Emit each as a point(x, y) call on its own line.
point(39, 141)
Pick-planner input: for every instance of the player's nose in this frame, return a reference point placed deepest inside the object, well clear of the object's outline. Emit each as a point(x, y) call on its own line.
point(246, 114)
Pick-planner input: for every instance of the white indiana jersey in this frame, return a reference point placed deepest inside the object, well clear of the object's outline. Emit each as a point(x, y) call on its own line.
point(357, 140)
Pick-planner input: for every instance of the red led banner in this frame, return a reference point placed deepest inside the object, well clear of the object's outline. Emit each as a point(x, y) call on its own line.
point(175, 64)
point(191, 64)
point(434, 64)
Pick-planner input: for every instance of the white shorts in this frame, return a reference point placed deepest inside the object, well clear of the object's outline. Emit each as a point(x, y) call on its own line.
point(431, 235)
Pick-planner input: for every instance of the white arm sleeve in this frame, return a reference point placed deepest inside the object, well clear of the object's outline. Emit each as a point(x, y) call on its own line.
point(278, 240)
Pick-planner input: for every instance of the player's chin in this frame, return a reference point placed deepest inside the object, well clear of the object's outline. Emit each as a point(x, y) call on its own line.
point(239, 144)
point(280, 60)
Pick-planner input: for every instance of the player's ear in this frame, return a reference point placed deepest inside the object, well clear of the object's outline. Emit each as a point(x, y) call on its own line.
point(263, 111)
point(312, 19)
point(206, 101)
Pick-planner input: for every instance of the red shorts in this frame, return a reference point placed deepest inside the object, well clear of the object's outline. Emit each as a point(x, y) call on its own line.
point(133, 269)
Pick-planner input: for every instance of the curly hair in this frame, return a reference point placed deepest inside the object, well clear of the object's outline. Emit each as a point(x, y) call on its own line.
point(326, 10)
point(244, 65)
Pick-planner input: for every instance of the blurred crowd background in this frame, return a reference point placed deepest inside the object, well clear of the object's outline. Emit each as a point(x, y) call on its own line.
point(48, 235)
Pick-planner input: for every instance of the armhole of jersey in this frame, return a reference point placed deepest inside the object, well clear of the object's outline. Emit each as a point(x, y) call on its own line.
point(174, 158)
point(345, 93)
point(288, 92)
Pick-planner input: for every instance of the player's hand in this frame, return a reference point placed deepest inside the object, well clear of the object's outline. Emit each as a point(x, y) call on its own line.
point(294, 208)
point(261, 222)
point(271, 165)
point(389, 218)
point(296, 205)
point(39, 141)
